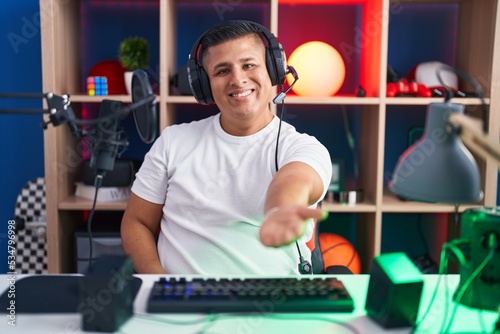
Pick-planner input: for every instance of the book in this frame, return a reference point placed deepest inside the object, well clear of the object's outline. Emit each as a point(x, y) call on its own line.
point(105, 194)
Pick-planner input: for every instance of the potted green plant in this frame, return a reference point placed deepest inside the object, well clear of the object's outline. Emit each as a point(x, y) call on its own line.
point(133, 54)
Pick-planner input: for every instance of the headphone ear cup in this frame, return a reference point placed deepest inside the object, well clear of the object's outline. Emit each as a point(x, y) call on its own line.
point(199, 82)
point(271, 68)
point(276, 63)
point(281, 68)
point(205, 86)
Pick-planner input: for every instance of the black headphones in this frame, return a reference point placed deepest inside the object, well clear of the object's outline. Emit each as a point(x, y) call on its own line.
point(198, 78)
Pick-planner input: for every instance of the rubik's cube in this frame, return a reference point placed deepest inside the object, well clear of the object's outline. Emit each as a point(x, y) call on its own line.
point(97, 86)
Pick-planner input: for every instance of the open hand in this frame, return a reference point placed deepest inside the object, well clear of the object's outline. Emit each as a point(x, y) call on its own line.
point(285, 224)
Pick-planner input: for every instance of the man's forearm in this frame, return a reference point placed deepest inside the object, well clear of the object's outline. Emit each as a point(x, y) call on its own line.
point(286, 191)
point(294, 188)
point(140, 245)
point(295, 183)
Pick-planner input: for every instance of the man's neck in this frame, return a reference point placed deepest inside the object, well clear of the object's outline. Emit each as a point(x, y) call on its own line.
point(245, 127)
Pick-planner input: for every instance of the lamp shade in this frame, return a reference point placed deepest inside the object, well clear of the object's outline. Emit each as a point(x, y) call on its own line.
point(438, 168)
point(321, 68)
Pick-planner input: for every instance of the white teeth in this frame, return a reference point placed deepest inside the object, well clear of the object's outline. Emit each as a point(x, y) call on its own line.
point(242, 94)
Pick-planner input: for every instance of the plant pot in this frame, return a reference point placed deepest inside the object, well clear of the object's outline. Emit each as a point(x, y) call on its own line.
point(128, 81)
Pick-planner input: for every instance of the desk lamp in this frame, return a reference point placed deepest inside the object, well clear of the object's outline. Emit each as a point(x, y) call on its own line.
point(439, 169)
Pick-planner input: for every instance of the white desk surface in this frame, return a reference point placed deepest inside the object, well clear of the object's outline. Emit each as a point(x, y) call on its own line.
point(466, 320)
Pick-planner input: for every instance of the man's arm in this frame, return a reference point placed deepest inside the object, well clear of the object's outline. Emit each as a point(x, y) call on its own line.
point(139, 228)
point(294, 187)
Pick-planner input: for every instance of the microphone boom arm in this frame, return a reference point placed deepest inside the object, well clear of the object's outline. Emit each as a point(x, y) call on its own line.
point(23, 96)
point(59, 109)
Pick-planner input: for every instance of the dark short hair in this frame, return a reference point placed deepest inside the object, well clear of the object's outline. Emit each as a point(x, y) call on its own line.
point(228, 30)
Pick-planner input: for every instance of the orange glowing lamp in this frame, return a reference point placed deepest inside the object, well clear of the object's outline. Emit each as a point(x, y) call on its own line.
point(320, 68)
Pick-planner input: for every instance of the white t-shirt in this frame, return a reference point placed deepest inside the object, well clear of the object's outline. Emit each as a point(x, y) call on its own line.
point(213, 187)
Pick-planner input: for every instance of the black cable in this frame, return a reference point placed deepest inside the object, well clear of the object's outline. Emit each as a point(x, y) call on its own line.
point(350, 141)
point(97, 185)
point(472, 82)
point(302, 261)
point(456, 221)
point(279, 131)
point(443, 268)
point(452, 247)
point(461, 292)
point(421, 233)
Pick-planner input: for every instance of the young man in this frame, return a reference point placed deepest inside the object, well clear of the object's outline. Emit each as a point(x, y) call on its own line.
point(228, 200)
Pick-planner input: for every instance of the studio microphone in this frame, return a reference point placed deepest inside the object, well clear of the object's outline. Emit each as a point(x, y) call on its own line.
point(281, 96)
point(106, 142)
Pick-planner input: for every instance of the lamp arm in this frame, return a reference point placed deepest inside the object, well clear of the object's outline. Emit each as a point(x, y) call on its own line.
point(472, 135)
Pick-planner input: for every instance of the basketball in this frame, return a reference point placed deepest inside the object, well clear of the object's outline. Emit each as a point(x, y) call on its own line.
point(338, 251)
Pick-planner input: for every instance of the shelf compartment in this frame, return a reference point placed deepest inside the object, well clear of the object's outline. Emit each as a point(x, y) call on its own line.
point(190, 19)
point(105, 24)
point(352, 28)
point(445, 31)
point(420, 236)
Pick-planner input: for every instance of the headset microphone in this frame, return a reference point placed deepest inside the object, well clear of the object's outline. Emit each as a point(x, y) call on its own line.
point(305, 267)
point(281, 96)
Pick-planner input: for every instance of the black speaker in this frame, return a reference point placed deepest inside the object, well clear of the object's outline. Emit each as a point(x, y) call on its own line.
point(275, 60)
point(122, 175)
point(107, 294)
point(180, 81)
point(394, 291)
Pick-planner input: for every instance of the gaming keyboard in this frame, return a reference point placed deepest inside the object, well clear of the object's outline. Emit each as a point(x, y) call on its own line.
point(264, 295)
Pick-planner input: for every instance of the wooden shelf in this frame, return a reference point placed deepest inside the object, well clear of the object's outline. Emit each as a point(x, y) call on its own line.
point(426, 101)
point(76, 203)
point(392, 204)
point(181, 99)
point(334, 100)
point(335, 207)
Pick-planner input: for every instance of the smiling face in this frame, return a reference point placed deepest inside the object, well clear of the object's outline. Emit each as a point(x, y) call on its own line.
point(240, 84)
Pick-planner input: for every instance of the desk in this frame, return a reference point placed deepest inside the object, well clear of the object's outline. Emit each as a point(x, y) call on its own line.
point(466, 320)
